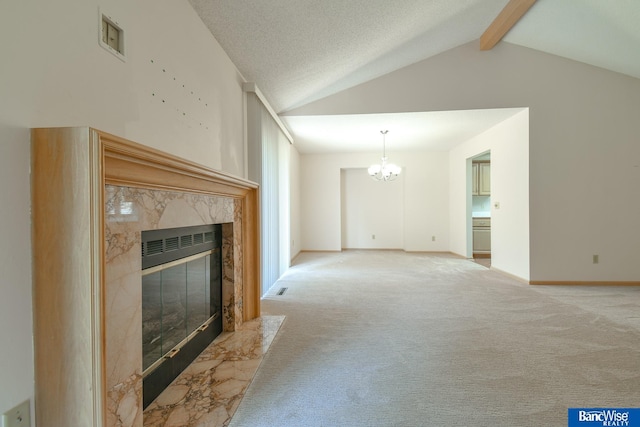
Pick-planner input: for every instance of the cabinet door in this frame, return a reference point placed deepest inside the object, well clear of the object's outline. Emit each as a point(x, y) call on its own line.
point(484, 178)
point(474, 179)
point(482, 240)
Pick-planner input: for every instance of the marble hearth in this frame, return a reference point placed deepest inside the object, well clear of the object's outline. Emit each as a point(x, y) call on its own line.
point(209, 391)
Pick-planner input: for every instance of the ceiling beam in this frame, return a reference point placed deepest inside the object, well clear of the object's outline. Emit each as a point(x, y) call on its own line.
point(506, 19)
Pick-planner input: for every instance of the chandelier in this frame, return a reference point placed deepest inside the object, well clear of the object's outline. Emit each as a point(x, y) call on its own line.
point(384, 171)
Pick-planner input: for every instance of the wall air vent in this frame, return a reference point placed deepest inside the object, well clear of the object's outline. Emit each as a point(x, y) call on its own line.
point(111, 36)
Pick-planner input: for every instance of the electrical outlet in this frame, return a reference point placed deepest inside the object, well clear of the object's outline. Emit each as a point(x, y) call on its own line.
point(373, 236)
point(433, 238)
point(596, 259)
point(20, 416)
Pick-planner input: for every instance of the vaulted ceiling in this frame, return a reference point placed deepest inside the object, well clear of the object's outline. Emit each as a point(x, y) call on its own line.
point(299, 51)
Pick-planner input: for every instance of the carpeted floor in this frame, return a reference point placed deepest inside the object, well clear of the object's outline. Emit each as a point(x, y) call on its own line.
point(387, 338)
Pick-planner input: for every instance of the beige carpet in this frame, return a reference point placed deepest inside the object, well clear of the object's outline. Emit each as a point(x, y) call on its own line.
point(386, 338)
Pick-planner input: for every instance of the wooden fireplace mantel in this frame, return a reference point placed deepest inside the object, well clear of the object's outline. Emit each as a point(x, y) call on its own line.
point(70, 168)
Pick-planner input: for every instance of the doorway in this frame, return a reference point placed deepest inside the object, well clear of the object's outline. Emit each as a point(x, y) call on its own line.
point(481, 208)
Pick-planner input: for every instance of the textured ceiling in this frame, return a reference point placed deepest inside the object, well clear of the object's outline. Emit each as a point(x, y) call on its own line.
point(298, 51)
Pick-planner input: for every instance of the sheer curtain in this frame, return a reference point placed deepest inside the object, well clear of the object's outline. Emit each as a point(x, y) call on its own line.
point(268, 150)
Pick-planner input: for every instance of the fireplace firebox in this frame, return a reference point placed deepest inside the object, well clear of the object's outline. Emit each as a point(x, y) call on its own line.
point(181, 300)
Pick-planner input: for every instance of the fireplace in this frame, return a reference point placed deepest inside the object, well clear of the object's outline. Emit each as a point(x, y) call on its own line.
point(181, 300)
point(93, 195)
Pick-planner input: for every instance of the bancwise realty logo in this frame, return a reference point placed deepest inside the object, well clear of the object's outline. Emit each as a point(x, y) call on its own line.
point(583, 417)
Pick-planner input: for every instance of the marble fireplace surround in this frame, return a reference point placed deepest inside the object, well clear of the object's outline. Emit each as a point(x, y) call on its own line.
point(92, 195)
point(128, 212)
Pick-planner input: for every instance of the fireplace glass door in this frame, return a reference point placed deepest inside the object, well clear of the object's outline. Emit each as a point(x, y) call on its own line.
point(176, 301)
point(181, 302)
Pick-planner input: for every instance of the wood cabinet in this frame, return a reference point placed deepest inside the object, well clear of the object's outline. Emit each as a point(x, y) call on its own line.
point(474, 179)
point(481, 235)
point(481, 178)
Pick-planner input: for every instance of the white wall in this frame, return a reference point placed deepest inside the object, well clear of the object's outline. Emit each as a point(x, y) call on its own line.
point(510, 188)
point(16, 321)
point(584, 156)
point(320, 201)
point(426, 191)
point(294, 203)
point(54, 73)
point(509, 145)
point(372, 212)
point(425, 201)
